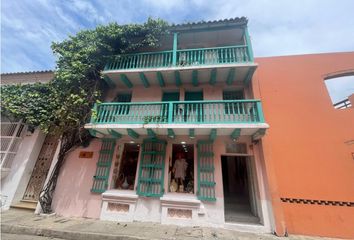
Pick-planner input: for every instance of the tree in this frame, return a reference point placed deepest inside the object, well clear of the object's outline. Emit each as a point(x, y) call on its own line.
point(63, 105)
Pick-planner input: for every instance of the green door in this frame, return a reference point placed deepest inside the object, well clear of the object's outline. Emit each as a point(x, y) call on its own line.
point(123, 98)
point(232, 108)
point(168, 97)
point(193, 112)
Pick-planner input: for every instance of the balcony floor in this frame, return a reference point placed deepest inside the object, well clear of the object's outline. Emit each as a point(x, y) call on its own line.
point(204, 75)
point(248, 129)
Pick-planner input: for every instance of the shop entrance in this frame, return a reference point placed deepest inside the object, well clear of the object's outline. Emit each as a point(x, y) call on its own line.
point(239, 190)
point(125, 179)
point(181, 168)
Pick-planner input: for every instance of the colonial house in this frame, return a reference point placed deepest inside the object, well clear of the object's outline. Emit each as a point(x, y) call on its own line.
point(176, 136)
point(26, 153)
point(199, 132)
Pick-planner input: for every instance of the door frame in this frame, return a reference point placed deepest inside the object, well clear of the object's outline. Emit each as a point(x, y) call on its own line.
point(251, 165)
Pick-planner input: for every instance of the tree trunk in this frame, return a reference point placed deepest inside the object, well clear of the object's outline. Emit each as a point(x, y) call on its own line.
point(69, 140)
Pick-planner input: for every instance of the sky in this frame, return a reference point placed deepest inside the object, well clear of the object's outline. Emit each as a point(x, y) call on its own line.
point(277, 27)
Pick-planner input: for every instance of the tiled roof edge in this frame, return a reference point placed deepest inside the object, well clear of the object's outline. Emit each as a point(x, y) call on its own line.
point(237, 20)
point(28, 72)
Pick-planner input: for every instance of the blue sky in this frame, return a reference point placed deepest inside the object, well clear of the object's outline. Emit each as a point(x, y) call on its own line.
point(277, 27)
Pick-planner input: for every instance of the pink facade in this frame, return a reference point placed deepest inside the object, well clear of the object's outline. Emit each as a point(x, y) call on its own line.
point(72, 196)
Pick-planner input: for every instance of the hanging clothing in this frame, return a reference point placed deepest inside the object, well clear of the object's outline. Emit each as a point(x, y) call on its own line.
point(179, 168)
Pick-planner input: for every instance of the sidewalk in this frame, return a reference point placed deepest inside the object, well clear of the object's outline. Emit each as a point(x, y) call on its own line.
point(26, 223)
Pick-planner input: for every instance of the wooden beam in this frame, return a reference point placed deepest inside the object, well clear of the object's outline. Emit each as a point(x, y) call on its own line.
point(144, 80)
point(259, 134)
point(249, 75)
point(195, 78)
point(160, 79)
point(213, 74)
point(151, 133)
point(235, 134)
point(94, 132)
point(171, 133)
point(126, 80)
point(178, 79)
point(114, 134)
point(191, 133)
point(212, 135)
point(132, 133)
point(109, 81)
point(231, 76)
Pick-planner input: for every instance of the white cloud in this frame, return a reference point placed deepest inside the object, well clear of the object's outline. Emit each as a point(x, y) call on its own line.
point(276, 27)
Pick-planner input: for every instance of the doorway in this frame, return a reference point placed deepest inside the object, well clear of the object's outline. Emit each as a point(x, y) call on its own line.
point(128, 165)
point(193, 112)
point(41, 169)
point(181, 169)
point(239, 190)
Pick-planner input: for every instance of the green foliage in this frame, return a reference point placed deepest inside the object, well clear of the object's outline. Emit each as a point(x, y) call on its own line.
point(64, 104)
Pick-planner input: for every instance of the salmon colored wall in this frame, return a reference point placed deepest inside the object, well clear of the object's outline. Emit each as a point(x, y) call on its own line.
point(73, 197)
point(305, 151)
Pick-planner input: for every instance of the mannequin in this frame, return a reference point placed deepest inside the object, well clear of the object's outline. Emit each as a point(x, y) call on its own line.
point(179, 170)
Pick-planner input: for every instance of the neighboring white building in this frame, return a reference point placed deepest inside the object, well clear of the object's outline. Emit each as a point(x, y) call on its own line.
point(20, 149)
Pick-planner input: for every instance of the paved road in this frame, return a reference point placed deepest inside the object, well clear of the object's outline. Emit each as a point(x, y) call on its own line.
point(6, 236)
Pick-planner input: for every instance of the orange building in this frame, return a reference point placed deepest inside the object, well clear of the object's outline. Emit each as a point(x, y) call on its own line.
point(309, 147)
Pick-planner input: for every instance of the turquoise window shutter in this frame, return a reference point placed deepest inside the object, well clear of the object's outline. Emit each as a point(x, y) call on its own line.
point(100, 179)
point(206, 181)
point(152, 168)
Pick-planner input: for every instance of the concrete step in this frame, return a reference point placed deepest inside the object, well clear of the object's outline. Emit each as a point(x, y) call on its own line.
point(25, 204)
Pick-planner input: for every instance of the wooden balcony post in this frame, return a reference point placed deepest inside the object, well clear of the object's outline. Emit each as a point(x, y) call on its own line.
point(170, 112)
point(174, 54)
point(260, 112)
point(94, 119)
point(249, 45)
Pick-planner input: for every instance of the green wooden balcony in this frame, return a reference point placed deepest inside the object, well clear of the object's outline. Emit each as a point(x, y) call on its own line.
point(182, 58)
point(181, 112)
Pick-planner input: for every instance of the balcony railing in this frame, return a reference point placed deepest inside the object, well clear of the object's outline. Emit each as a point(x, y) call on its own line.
point(181, 58)
point(187, 112)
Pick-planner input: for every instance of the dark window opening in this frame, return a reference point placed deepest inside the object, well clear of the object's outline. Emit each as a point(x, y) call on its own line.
point(128, 166)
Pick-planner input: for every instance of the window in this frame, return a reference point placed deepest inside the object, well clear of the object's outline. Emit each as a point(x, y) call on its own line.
point(232, 95)
point(340, 87)
point(181, 168)
point(127, 167)
point(11, 137)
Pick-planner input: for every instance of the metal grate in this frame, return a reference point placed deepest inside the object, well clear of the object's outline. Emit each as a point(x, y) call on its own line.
point(11, 137)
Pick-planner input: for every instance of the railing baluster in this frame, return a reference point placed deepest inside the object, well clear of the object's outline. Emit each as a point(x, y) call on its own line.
point(187, 57)
point(231, 111)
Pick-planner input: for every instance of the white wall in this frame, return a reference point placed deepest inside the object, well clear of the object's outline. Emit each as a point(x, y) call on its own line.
point(15, 183)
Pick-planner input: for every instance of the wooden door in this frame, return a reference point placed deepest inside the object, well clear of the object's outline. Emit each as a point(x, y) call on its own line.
point(41, 168)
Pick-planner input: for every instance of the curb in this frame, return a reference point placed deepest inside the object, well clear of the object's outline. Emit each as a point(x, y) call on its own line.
point(64, 234)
